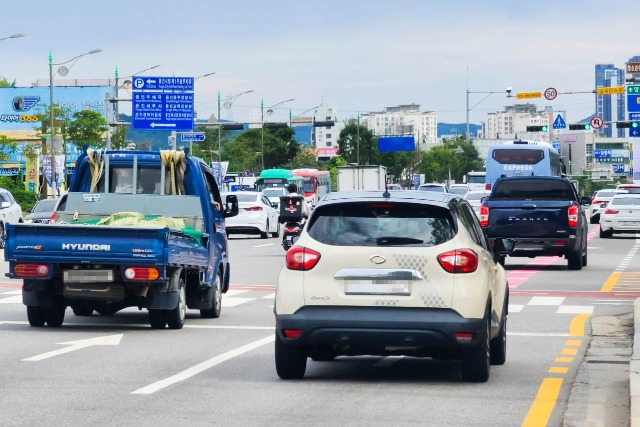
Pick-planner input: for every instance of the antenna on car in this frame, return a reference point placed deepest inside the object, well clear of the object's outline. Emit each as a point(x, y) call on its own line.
point(386, 193)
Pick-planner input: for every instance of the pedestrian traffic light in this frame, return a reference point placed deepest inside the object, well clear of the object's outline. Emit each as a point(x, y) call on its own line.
point(233, 126)
point(625, 125)
point(537, 128)
point(580, 126)
point(323, 124)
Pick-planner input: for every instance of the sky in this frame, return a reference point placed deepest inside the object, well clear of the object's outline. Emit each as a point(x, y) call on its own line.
point(356, 56)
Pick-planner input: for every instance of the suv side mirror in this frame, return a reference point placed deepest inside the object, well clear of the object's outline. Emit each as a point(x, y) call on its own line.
point(230, 206)
point(503, 247)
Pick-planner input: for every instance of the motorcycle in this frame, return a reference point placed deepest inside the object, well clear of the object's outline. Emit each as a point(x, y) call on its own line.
point(292, 230)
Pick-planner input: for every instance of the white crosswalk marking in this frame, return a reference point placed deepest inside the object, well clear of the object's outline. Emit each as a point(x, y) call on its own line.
point(575, 309)
point(515, 308)
point(546, 301)
point(17, 299)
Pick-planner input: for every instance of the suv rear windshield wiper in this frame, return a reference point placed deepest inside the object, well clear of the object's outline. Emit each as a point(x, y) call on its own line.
point(392, 240)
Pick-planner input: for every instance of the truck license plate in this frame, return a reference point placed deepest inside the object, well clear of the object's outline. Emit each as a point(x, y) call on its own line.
point(88, 276)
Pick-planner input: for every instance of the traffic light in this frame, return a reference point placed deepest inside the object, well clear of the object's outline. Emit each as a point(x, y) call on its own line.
point(537, 128)
point(323, 124)
point(624, 125)
point(580, 126)
point(233, 126)
point(275, 125)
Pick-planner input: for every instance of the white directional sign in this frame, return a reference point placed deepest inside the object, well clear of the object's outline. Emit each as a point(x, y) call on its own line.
point(77, 345)
point(559, 123)
point(596, 122)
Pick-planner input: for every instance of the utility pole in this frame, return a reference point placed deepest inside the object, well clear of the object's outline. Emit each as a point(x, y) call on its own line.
point(358, 141)
point(219, 130)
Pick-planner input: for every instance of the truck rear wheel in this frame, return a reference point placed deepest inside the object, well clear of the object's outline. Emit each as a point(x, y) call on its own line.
point(35, 315)
point(157, 319)
point(54, 315)
point(216, 301)
point(175, 317)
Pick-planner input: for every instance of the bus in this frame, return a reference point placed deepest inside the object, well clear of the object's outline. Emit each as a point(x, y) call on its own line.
point(270, 178)
point(475, 180)
point(316, 184)
point(516, 158)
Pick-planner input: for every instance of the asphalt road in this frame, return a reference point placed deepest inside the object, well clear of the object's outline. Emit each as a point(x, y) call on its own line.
point(115, 370)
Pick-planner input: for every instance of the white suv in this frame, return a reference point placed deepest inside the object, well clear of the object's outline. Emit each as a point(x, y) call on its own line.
point(10, 212)
point(410, 273)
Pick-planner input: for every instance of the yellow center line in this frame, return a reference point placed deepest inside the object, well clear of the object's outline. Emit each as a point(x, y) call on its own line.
point(563, 359)
point(576, 329)
point(611, 281)
point(569, 351)
point(573, 343)
point(542, 407)
point(558, 370)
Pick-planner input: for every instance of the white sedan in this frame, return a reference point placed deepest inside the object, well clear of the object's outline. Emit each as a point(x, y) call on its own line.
point(621, 215)
point(256, 215)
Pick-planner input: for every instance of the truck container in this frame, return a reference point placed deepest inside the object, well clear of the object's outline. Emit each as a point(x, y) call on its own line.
point(363, 177)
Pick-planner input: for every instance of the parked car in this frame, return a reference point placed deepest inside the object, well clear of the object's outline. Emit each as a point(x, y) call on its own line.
point(622, 215)
point(433, 187)
point(61, 203)
point(41, 212)
point(274, 194)
point(475, 199)
point(10, 213)
point(408, 274)
point(394, 187)
point(459, 189)
point(599, 202)
point(256, 215)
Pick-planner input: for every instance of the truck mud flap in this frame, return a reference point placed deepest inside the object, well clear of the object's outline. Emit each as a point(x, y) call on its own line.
point(165, 300)
point(38, 298)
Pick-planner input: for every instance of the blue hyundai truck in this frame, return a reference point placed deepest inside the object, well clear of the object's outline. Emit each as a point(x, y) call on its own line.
point(138, 229)
point(543, 215)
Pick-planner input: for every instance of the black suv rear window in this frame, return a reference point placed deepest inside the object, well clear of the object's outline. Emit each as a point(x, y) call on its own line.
point(381, 224)
point(533, 189)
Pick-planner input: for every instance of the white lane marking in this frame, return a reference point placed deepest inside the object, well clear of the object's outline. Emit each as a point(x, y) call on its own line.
point(575, 309)
point(387, 361)
point(262, 246)
point(77, 345)
point(270, 296)
point(233, 292)
point(515, 308)
point(12, 300)
point(232, 302)
point(546, 301)
point(201, 367)
point(16, 292)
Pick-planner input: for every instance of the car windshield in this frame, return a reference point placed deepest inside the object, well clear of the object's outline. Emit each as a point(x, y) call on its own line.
point(273, 192)
point(381, 224)
point(47, 205)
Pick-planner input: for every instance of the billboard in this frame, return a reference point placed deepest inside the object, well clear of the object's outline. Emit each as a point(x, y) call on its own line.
point(396, 143)
point(19, 106)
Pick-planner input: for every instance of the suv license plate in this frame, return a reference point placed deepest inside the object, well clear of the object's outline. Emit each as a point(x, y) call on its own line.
point(377, 287)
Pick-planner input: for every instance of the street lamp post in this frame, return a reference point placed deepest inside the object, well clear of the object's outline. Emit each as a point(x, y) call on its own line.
point(12, 36)
point(227, 104)
point(63, 71)
point(270, 111)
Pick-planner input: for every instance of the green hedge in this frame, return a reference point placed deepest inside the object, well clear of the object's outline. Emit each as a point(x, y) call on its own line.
point(26, 199)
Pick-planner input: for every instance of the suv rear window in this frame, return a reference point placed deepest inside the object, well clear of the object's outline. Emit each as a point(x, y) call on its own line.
point(533, 189)
point(381, 224)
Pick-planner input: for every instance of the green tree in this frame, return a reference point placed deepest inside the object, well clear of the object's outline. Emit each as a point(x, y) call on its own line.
point(87, 128)
point(208, 149)
point(7, 146)
point(243, 151)
point(306, 158)
point(62, 117)
point(119, 138)
point(355, 138)
point(5, 83)
point(26, 199)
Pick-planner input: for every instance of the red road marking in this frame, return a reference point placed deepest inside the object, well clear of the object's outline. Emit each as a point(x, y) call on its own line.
point(576, 294)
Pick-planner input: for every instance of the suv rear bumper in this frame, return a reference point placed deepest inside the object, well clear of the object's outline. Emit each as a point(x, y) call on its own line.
point(379, 330)
point(531, 247)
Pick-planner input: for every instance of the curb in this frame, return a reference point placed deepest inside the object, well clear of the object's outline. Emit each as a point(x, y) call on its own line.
point(634, 367)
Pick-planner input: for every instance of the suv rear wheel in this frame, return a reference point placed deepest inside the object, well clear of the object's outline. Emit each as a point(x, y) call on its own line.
point(574, 260)
point(291, 361)
point(475, 361)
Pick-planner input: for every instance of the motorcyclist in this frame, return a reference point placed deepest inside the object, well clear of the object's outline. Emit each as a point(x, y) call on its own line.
point(293, 191)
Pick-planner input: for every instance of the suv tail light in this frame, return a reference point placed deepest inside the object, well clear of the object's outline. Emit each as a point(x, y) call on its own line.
point(253, 208)
point(611, 211)
point(484, 216)
point(459, 261)
point(573, 216)
point(487, 187)
point(301, 258)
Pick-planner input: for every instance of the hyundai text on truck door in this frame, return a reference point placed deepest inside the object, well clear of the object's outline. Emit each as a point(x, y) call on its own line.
point(138, 228)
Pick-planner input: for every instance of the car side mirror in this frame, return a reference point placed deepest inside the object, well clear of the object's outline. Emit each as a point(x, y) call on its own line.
point(584, 200)
point(482, 200)
point(274, 205)
point(5, 205)
point(230, 206)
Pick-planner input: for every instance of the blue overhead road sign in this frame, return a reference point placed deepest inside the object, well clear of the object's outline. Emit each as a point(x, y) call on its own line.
point(559, 123)
point(193, 136)
point(162, 83)
point(162, 111)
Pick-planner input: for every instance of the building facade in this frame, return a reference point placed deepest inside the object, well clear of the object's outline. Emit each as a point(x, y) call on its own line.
point(512, 122)
point(404, 120)
point(610, 107)
point(325, 138)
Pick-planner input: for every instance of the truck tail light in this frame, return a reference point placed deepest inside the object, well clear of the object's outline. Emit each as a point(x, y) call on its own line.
point(484, 216)
point(301, 258)
point(611, 211)
point(459, 261)
point(573, 216)
point(31, 270)
point(141, 273)
point(253, 208)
